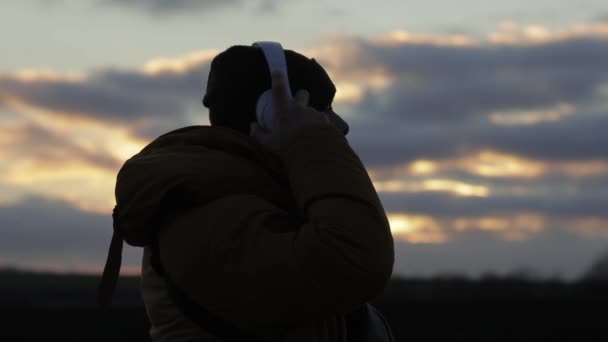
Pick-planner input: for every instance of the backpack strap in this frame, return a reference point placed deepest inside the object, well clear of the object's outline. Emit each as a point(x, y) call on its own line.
point(213, 324)
point(366, 324)
point(111, 271)
point(381, 328)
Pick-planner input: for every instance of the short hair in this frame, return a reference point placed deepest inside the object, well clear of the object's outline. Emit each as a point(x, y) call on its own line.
point(240, 74)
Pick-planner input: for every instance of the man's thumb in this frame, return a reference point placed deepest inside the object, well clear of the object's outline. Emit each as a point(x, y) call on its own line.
point(258, 133)
point(255, 129)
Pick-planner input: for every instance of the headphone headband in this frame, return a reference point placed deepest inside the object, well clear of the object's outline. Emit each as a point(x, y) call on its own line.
point(275, 57)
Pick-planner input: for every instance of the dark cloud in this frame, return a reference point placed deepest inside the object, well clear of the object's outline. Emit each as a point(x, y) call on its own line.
point(554, 253)
point(46, 231)
point(127, 97)
point(171, 6)
point(454, 83)
point(42, 145)
point(440, 104)
point(40, 231)
point(579, 137)
point(438, 107)
point(445, 205)
point(576, 138)
point(556, 180)
point(602, 17)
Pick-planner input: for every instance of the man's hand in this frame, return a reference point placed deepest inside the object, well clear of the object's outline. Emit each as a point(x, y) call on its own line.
point(291, 114)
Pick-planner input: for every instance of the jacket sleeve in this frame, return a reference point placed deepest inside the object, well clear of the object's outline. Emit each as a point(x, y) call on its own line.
point(250, 262)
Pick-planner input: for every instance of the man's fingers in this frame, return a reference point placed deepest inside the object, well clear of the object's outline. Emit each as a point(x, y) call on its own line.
point(279, 93)
point(302, 97)
point(253, 128)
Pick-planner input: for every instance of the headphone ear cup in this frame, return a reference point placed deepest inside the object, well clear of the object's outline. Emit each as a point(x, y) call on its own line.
point(265, 112)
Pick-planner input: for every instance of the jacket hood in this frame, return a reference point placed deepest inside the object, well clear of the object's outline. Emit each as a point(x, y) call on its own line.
point(185, 167)
point(188, 166)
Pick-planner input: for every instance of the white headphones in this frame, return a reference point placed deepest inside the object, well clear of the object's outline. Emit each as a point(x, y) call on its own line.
point(275, 57)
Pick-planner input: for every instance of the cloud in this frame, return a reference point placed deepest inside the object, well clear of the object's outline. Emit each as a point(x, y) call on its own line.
point(448, 206)
point(171, 6)
point(441, 216)
point(52, 234)
point(160, 96)
point(490, 165)
point(72, 160)
point(107, 95)
point(48, 148)
point(477, 253)
point(414, 96)
point(601, 18)
point(446, 83)
point(527, 118)
point(578, 137)
point(42, 232)
point(174, 7)
point(491, 129)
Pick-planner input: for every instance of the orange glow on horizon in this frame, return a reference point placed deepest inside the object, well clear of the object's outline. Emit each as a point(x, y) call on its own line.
point(65, 269)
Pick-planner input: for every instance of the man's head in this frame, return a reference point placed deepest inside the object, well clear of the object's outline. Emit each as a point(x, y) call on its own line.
point(239, 75)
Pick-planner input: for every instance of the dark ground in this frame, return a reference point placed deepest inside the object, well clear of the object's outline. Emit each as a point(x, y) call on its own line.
point(45, 307)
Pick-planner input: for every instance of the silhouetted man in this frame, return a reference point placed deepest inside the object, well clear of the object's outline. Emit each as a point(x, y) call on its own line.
point(273, 234)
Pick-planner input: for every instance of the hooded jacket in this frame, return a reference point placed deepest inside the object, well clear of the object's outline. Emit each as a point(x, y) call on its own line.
point(281, 245)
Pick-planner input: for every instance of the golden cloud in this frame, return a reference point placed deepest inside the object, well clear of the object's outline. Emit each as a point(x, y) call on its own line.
point(490, 163)
point(427, 229)
point(514, 227)
point(422, 167)
point(433, 184)
point(592, 227)
point(416, 228)
point(347, 92)
point(338, 55)
point(400, 37)
point(509, 33)
point(45, 74)
point(512, 33)
point(89, 188)
point(90, 134)
point(343, 57)
point(527, 118)
point(486, 163)
point(179, 65)
point(65, 158)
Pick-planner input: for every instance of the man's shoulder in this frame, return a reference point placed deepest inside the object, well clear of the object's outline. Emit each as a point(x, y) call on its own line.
point(185, 130)
point(202, 135)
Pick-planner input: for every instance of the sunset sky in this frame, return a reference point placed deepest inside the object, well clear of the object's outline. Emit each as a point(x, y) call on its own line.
point(483, 124)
